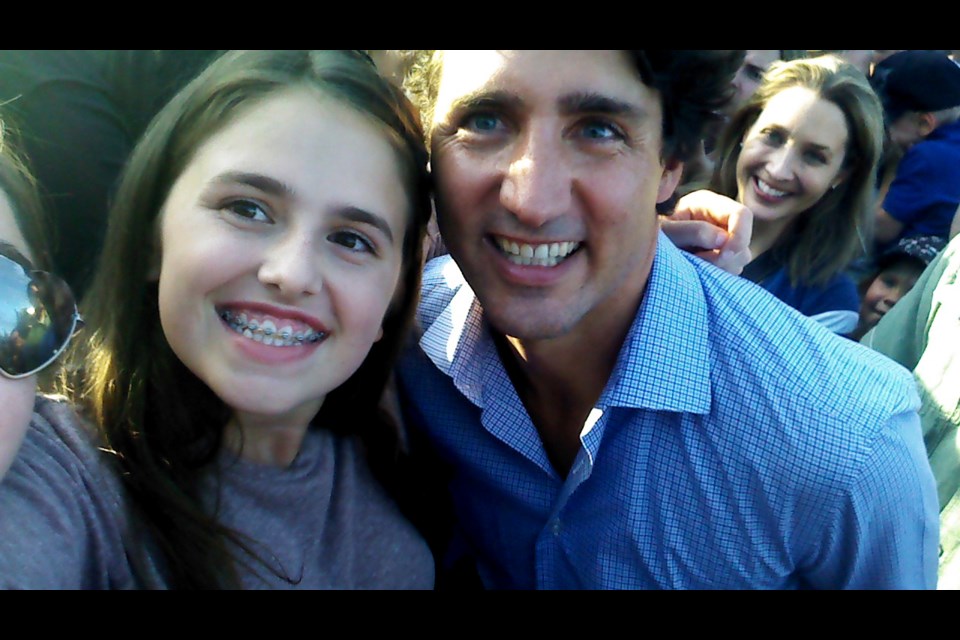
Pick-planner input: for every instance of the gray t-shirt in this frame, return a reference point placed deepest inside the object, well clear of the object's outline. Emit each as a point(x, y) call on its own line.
point(324, 521)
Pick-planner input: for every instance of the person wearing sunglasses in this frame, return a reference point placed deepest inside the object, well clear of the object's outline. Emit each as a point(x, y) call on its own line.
point(260, 270)
point(38, 315)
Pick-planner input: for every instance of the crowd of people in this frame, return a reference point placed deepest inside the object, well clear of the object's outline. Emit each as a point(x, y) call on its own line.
point(479, 319)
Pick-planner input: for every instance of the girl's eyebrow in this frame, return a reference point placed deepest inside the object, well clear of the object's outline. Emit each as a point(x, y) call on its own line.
point(255, 180)
point(356, 214)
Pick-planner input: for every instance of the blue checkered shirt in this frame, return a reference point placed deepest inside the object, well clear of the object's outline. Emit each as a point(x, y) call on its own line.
point(737, 445)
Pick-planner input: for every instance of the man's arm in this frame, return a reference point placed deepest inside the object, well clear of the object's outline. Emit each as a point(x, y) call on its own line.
point(885, 531)
point(887, 228)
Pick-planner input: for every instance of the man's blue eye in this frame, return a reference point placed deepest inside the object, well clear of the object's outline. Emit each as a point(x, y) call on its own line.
point(482, 122)
point(600, 131)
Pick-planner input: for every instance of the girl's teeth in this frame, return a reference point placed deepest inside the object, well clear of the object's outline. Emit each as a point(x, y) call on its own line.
point(266, 331)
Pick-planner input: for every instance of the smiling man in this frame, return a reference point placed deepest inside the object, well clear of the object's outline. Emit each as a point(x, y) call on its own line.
point(616, 413)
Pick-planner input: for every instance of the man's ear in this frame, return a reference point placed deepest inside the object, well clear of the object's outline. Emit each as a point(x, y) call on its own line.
point(669, 179)
point(926, 123)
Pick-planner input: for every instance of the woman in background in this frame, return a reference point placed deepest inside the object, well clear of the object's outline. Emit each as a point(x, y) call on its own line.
point(801, 154)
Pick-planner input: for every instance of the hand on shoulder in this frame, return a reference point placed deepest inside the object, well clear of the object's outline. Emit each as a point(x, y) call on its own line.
point(713, 227)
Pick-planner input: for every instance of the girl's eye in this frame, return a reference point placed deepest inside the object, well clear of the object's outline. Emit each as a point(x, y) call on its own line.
point(815, 157)
point(753, 73)
point(249, 210)
point(352, 241)
point(773, 137)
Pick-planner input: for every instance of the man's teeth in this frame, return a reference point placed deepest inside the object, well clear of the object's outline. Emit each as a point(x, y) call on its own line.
point(768, 190)
point(267, 332)
point(537, 255)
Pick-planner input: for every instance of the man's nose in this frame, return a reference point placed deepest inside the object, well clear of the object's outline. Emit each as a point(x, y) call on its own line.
point(538, 182)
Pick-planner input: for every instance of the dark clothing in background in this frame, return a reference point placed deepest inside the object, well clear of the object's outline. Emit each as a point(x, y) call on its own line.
point(76, 115)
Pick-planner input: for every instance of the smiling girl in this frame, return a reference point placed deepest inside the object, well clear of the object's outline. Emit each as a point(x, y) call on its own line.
point(801, 155)
point(260, 270)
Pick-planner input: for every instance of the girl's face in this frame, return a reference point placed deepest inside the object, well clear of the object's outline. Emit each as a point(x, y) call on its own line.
point(887, 288)
point(281, 251)
point(791, 156)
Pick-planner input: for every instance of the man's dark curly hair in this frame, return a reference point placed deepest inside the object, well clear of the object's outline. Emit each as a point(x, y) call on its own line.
point(693, 85)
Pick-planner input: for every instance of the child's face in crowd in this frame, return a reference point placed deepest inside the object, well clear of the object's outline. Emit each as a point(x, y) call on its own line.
point(281, 251)
point(887, 288)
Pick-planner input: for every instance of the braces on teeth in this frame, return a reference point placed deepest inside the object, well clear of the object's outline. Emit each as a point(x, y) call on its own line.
point(268, 333)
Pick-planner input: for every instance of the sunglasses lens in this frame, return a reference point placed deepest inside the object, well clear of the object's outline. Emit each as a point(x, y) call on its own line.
point(37, 318)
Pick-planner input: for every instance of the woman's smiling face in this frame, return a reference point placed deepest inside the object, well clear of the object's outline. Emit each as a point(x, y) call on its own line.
point(792, 155)
point(281, 251)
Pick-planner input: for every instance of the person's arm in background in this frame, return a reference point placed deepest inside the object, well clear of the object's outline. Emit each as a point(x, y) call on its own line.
point(887, 228)
point(712, 226)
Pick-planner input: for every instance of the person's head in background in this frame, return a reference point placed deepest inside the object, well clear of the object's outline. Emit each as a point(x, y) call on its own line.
point(802, 155)
point(898, 269)
point(920, 90)
point(879, 55)
point(750, 75)
point(22, 231)
point(393, 64)
point(232, 154)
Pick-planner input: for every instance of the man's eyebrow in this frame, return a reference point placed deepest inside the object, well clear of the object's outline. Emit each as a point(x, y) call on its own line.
point(485, 98)
point(575, 103)
point(255, 180)
point(356, 214)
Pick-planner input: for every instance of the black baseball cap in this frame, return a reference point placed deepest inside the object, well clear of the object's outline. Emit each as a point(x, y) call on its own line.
point(921, 249)
point(917, 80)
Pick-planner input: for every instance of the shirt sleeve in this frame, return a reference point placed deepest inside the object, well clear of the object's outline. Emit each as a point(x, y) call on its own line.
point(910, 195)
point(56, 529)
point(885, 532)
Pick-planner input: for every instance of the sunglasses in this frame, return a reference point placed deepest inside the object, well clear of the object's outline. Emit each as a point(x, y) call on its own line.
point(38, 316)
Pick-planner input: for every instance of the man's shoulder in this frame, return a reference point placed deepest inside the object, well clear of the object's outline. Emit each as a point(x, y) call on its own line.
point(763, 346)
point(942, 144)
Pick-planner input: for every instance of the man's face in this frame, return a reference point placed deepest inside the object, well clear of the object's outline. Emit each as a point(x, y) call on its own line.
point(548, 171)
point(749, 76)
point(907, 130)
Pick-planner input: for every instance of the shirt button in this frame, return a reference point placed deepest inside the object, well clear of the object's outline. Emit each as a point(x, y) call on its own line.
point(555, 527)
